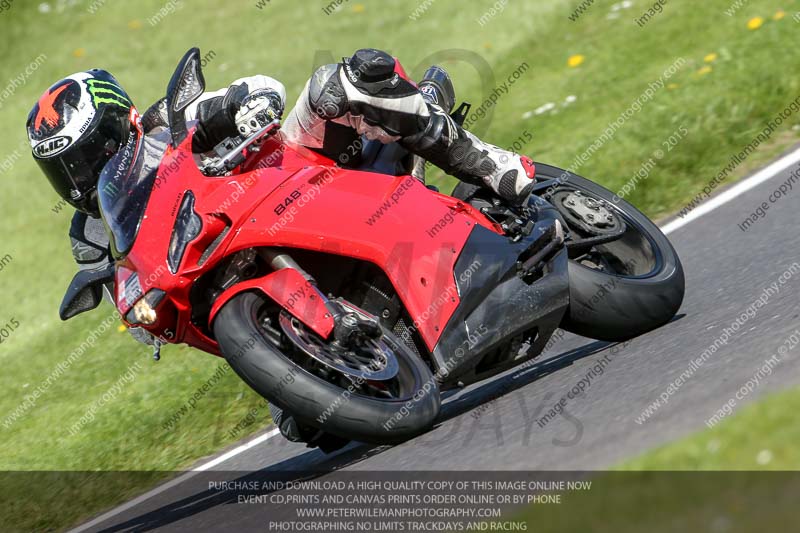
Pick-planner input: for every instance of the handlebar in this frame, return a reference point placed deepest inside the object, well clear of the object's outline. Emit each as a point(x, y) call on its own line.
point(233, 157)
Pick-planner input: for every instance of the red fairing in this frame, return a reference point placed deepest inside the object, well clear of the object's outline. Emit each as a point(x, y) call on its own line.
point(293, 292)
point(386, 221)
point(289, 196)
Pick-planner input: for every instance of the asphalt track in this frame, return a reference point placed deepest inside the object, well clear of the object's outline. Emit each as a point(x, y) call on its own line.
point(493, 425)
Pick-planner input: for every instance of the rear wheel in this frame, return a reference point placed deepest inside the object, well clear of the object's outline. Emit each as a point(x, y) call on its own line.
point(625, 278)
point(375, 390)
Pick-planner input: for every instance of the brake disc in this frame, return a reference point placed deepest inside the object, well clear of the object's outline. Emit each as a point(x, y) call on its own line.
point(371, 360)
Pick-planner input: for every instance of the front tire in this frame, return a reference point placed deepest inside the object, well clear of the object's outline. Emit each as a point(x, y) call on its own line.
point(315, 401)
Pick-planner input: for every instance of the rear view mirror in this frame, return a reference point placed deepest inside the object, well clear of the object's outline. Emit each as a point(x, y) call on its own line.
point(185, 86)
point(85, 291)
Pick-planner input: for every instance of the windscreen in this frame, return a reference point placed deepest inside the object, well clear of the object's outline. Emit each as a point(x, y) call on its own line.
point(124, 189)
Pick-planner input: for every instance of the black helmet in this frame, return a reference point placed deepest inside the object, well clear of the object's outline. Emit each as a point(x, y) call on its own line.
point(75, 128)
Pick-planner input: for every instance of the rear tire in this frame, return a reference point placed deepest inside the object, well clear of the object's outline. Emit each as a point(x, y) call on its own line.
point(612, 307)
point(256, 359)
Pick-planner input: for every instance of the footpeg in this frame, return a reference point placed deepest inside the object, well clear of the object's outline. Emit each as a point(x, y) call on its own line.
point(542, 249)
point(460, 114)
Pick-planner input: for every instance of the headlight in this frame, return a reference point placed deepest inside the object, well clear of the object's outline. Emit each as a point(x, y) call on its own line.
point(143, 312)
point(187, 227)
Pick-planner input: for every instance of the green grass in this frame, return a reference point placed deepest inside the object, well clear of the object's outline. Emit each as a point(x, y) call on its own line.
point(670, 502)
point(754, 77)
point(763, 436)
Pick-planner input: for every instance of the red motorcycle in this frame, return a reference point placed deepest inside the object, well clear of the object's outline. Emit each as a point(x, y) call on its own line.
point(352, 297)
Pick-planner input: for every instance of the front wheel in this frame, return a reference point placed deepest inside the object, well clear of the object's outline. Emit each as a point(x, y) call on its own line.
point(627, 284)
point(377, 391)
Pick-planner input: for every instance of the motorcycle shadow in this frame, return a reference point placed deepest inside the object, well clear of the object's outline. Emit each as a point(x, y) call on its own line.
point(458, 402)
point(515, 379)
point(194, 497)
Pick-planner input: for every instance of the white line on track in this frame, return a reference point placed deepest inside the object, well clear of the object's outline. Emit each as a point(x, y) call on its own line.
point(723, 198)
point(740, 188)
point(177, 481)
point(236, 451)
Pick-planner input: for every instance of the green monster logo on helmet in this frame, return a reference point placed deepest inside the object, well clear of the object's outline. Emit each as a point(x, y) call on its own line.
point(104, 92)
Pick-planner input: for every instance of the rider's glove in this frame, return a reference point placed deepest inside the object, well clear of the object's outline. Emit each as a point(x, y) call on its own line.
point(258, 109)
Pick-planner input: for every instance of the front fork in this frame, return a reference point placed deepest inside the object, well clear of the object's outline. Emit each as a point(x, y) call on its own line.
point(349, 326)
